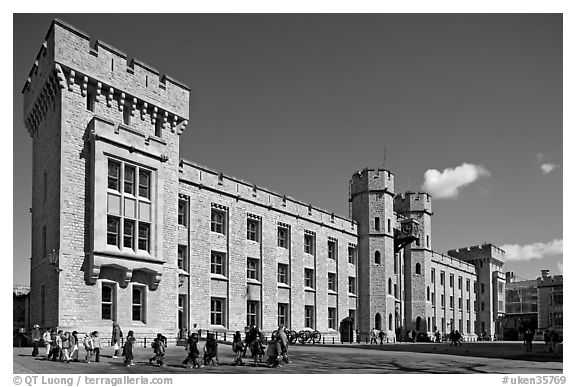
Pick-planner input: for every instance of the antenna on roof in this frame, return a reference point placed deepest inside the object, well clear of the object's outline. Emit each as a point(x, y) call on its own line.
point(384, 161)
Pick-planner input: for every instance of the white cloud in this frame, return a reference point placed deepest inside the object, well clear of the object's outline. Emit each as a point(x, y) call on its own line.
point(538, 250)
point(446, 184)
point(547, 167)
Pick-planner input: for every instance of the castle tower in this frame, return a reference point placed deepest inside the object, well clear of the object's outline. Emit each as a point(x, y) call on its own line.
point(489, 288)
point(372, 198)
point(417, 257)
point(105, 134)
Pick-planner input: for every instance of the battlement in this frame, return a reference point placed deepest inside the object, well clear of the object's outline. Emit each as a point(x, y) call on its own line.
point(555, 280)
point(369, 179)
point(413, 202)
point(486, 250)
point(453, 262)
point(67, 57)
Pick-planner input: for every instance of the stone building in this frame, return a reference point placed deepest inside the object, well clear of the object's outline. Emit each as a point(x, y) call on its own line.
point(550, 302)
point(125, 230)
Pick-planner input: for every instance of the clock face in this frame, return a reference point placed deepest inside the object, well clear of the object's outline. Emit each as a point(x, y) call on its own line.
point(407, 228)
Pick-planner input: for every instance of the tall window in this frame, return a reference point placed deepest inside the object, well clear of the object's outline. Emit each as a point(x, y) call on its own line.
point(427, 240)
point(183, 212)
point(451, 280)
point(252, 268)
point(218, 263)
point(428, 293)
point(252, 230)
point(126, 114)
point(309, 316)
point(352, 285)
point(332, 281)
point(390, 286)
point(460, 303)
point(217, 308)
point(482, 288)
point(351, 255)
point(467, 305)
point(467, 284)
point(459, 282)
point(129, 209)
point(309, 244)
point(108, 299)
point(377, 259)
point(433, 276)
point(90, 98)
point(442, 300)
point(451, 302)
point(389, 227)
point(377, 223)
point(283, 273)
point(283, 315)
point(442, 278)
point(282, 237)
point(138, 303)
point(418, 269)
point(217, 221)
point(44, 242)
point(183, 257)
point(331, 250)
point(309, 278)
point(332, 318)
point(252, 313)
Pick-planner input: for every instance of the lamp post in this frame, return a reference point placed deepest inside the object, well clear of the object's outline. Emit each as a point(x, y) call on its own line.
point(53, 258)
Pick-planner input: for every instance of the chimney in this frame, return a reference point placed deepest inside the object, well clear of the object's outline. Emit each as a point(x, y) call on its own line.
point(509, 276)
point(545, 273)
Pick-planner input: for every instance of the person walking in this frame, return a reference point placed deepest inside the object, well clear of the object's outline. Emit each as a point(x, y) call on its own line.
point(36, 337)
point(237, 348)
point(357, 335)
point(159, 351)
point(65, 355)
point(74, 346)
point(88, 347)
point(128, 346)
point(528, 337)
point(46, 337)
point(211, 351)
point(381, 337)
point(373, 336)
point(96, 345)
point(193, 352)
point(457, 338)
point(283, 343)
point(116, 339)
point(554, 340)
point(56, 344)
point(547, 340)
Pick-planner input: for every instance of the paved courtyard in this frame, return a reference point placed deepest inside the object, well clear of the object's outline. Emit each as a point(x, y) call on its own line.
point(497, 357)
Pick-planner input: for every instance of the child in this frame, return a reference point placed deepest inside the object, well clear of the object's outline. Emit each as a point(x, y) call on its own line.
point(128, 355)
point(193, 352)
point(159, 350)
point(237, 348)
point(88, 346)
point(96, 345)
point(273, 352)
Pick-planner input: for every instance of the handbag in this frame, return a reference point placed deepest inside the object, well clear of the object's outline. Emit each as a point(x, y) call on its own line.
point(116, 346)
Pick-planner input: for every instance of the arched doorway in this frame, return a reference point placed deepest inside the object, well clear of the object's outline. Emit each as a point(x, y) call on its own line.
point(378, 321)
point(418, 323)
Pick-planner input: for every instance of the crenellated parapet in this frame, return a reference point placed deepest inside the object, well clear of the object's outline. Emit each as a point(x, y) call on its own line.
point(413, 202)
point(67, 61)
point(486, 250)
point(373, 180)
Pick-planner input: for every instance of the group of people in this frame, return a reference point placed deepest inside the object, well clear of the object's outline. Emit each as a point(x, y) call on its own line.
point(65, 346)
point(376, 334)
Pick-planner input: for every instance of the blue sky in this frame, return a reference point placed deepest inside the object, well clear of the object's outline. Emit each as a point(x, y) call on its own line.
point(468, 107)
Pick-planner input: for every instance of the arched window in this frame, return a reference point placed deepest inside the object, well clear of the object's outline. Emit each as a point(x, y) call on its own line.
point(428, 293)
point(390, 286)
point(396, 263)
point(378, 321)
point(418, 323)
point(390, 322)
point(428, 324)
point(377, 257)
point(418, 269)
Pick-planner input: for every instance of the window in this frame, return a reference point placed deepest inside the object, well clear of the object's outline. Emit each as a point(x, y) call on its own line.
point(332, 281)
point(252, 313)
point(467, 284)
point(352, 285)
point(482, 306)
point(427, 240)
point(126, 114)
point(138, 303)
point(217, 263)
point(467, 305)
point(351, 255)
point(309, 316)
point(500, 287)
point(252, 269)
point(113, 230)
point(390, 326)
point(459, 282)
point(451, 280)
point(460, 303)
point(451, 302)
point(309, 244)
point(331, 250)
point(331, 318)
point(283, 237)
point(252, 230)
point(396, 263)
point(183, 257)
point(475, 287)
point(441, 278)
point(377, 257)
point(433, 276)
point(442, 300)
point(428, 293)
point(443, 323)
point(309, 278)
point(129, 214)
point(283, 315)
point(217, 221)
point(158, 126)
point(182, 212)
point(377, 223)
point(433, 298)
point(395, 291)
point(467, 326)
point(482, 288)
point(283, 273)
point(390, 286)
point(108, 300)
point(418, 269)
point(129, 233)
point(217, 311)
point(389, 226)
point(90, 98)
